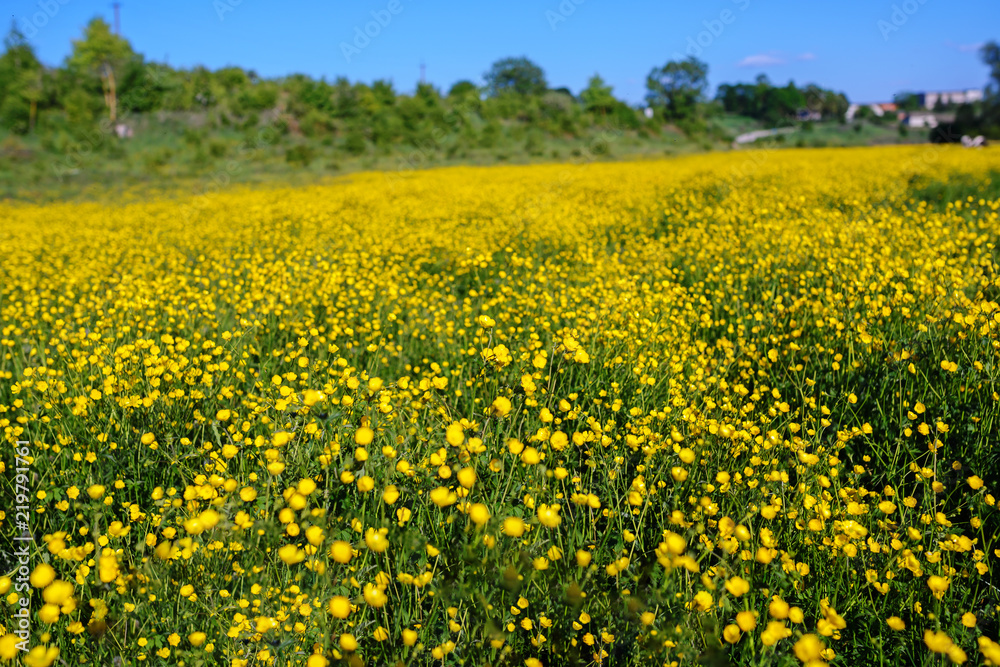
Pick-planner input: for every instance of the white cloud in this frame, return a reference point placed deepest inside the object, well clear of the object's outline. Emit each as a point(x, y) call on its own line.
point(806, 56)
point(761, 60)
point(965, 48)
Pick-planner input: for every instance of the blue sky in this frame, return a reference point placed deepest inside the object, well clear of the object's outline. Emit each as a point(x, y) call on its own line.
point(868, 49)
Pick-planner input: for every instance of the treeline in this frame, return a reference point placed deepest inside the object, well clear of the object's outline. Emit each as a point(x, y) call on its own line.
point(774, 105)
point(104, 78)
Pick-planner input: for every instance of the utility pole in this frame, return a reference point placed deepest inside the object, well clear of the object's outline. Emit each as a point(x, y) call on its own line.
point(118, 18)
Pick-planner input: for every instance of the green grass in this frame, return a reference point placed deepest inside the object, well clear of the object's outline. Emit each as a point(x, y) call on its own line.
point(177, 150)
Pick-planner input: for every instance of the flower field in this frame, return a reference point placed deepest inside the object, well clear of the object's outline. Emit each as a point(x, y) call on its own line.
point(736, 407)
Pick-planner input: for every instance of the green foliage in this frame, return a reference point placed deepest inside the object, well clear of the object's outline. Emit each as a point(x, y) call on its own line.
point(20, 83)
point(101, 52)
point(355, 143)
point(597, 97)
point(515, 75)
point(774, 105)
point(300, 154)
point(675, 89)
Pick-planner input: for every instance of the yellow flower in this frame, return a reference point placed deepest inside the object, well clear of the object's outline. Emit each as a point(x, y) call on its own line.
point(455, 435)
point(42, 575)
point(8, 646)
point(364, 436)
point(778, 608)
point(731, 633)
point(197, 638)
point(938, 642)
point(530, 456)
point(311, 397)
point(291, 554)
point(374, 596)
point(348, 642)
point(341, 551)
point(737, 586)
point(377, 540)
point(809, 648)
point(896, 623)
point(390, 495)
point(548, 515)
point(513, 526)
point(108, 568)
point(938, 585)
point(222, 415)
point(479, 514)
point(339, 606)
point(501, 406)
point(467, 477)
point(703, 601)
point(975, 483)
point(774, 632)
point(41, 656)
point(442, 496)
point(747, 620)
point(49, 613)
point(58, 593)
point(969, 619)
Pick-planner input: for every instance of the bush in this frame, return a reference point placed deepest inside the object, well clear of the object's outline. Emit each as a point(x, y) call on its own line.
point(218, 148)
point(301, 154)
point(355, 143)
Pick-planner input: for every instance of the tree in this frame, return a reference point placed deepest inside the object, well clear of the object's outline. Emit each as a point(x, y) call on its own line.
point(990, 55)
point(463, 88)
point(676, 88)
point(20, 83)
point(597, 97)
point(515, 75)
point(907, 101)
point(989, 121)
point(103, 52)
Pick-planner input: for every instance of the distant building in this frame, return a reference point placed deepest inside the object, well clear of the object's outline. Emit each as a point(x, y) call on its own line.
point(879, 109)
point(918, 119)
point(929, 100)
point(808, 114)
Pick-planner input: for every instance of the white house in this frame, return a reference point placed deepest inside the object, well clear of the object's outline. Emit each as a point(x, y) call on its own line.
point(917, 119)
point(877, 109)
point(929, 100)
